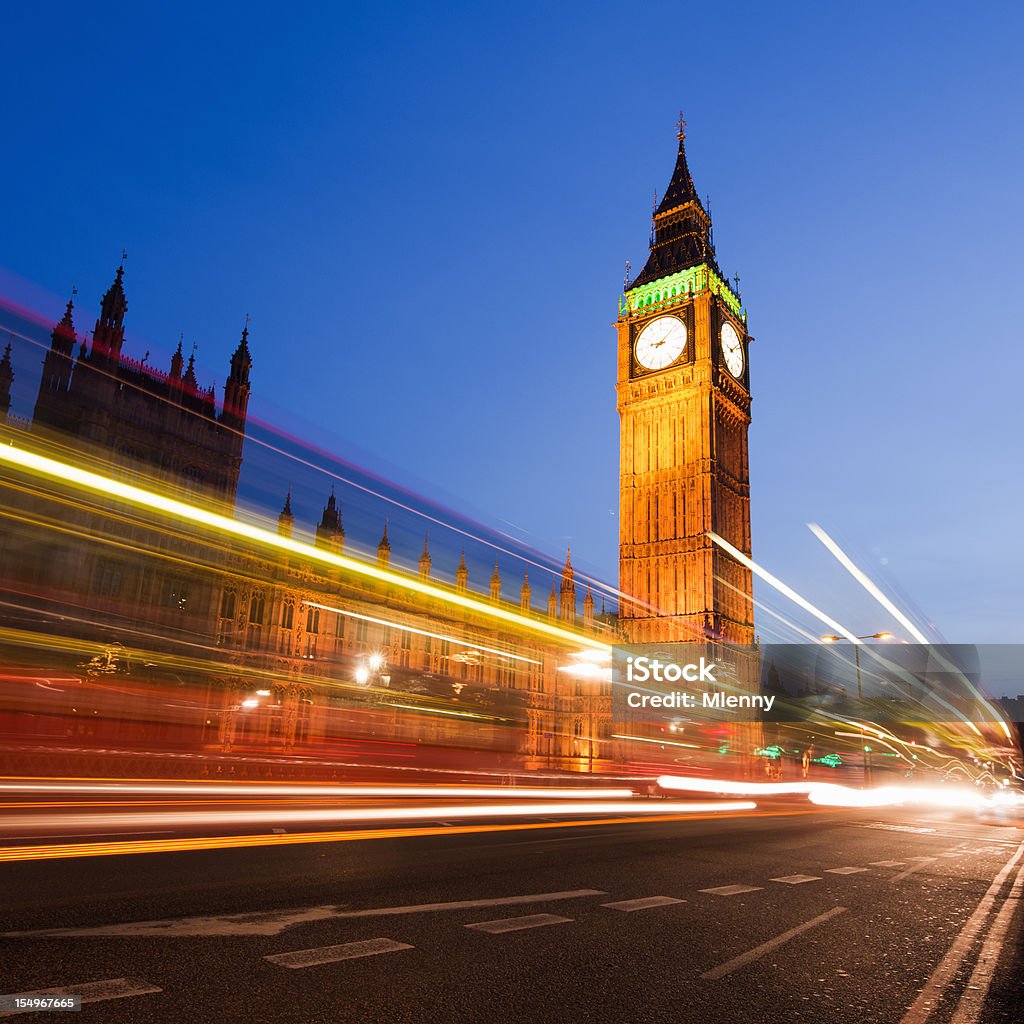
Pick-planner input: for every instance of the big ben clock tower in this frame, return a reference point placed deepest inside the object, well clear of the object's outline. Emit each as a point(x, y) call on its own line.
point(684, 407)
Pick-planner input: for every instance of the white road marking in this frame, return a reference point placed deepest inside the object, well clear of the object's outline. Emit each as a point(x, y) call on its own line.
point(968, 1010)
point(922, 862)
point(732, 890)
point(766, 947)
point(928, 998)
point(887, 863)
point(845, 871)
point(518, 924)
point(951, 853)
point(643, 904)
point(796, 879)
point(332, 954)
point(277, 921)
point(93, 991)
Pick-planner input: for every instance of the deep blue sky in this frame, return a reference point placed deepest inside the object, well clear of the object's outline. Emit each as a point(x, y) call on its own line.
point(426, 208)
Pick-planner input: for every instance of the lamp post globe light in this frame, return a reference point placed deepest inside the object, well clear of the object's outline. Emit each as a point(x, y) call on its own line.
point(831, 638)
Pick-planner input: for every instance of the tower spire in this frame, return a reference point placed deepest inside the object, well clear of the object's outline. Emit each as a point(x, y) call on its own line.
point(286, 521)
point(330, 534)
point(682, 227)
point(425, 559)
point(108, 334)
point(524, 594)
point(237, 388)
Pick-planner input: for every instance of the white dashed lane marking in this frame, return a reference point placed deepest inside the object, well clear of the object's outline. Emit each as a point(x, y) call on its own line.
point(277, 921)
point(766, 947)
point(732, 890)
point(796, 879)
point(332, 954)
point(888, 863)
point(94, 991)
point(845, 871)
point(518, 924)
point(643, 904)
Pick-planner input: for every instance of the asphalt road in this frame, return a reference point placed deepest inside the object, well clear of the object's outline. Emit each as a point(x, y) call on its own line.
point(825, 917)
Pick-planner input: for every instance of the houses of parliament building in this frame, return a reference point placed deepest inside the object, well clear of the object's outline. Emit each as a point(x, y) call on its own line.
point(285, 644)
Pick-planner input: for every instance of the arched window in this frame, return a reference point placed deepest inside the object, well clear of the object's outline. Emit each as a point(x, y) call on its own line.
point(257, 608)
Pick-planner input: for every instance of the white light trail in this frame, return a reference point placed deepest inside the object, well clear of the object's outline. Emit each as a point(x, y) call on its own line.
point(243, 789)
point(830, 794)
point(434, 812)
point(781, 587)
point(866, 582)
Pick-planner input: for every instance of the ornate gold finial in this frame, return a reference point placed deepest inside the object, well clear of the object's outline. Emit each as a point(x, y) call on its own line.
point(680, 127)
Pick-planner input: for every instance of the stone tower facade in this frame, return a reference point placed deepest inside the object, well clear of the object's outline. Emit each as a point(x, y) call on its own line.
point(684, 406)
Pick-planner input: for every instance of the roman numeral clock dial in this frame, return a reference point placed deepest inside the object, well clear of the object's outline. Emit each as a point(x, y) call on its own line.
point(732, 350)
point(661, 343)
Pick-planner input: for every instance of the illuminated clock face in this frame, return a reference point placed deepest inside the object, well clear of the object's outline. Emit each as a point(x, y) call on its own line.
point(661, 343)
point(732, 349)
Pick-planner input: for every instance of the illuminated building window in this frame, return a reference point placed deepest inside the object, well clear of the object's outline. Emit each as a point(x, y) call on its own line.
point(175, 593)
point(257, 609)
point(288, 615)
point(311, 645)
point(227, 604)
point(361, 630)
point(313, 620)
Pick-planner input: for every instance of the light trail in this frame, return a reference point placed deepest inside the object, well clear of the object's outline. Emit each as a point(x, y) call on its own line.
point(866, 582)
point(421, 632)
point(60, 851)
point(645, 739)
point(437, 812)
point(781, 587)
point(247, 789)
point(65, 473)
point(875, 591)
point(831, 794)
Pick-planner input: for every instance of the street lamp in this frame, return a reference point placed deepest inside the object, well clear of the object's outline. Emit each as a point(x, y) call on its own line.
point(831, 638)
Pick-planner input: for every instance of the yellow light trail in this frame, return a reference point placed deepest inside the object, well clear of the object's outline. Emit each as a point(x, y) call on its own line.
point(65, 473)
point(62, 851)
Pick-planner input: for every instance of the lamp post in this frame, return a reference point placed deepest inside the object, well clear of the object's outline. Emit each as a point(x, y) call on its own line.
point(831, 638)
